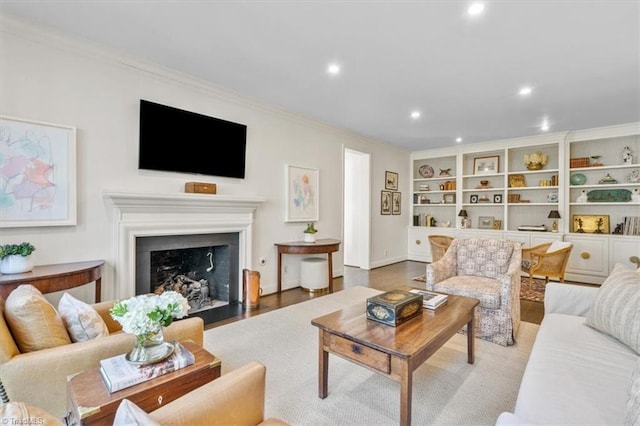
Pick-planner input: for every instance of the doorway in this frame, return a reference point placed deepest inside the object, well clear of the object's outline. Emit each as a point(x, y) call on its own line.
point(357, 203)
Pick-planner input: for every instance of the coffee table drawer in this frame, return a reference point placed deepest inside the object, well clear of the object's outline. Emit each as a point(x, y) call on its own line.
point(359, 353)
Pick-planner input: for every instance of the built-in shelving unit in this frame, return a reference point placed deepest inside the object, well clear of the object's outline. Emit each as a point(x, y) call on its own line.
point(501, 195)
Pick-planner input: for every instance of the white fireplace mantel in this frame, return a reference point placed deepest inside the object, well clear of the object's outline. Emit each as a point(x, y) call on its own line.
point(149, 214)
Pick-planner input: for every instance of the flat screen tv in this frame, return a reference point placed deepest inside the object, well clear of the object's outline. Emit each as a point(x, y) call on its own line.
point(176, 140)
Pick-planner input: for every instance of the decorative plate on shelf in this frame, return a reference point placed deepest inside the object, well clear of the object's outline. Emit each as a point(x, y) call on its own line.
point(426, 171)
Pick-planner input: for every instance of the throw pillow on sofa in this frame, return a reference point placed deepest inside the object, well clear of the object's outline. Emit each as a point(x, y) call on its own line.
point(34, 322)
point(616, 309)
point(81, 320)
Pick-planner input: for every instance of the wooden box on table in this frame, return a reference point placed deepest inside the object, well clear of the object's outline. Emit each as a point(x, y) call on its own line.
point(89, 401)
point(394, 307)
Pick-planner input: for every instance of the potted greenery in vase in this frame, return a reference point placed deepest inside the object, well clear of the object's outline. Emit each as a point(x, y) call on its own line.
point(310, 233)
point(16, 258)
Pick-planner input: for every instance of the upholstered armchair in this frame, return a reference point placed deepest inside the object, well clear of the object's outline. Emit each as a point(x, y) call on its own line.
point(235, 398)
point(547, 260)
point(488, 270)
point(39, 378)
point(439, 245)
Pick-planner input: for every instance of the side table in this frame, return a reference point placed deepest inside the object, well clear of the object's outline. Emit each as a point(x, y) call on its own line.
point(56, 277)
point(90, 403)
point(326, 245)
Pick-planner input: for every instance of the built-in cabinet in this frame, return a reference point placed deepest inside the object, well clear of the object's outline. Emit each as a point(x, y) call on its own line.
point(501, 195)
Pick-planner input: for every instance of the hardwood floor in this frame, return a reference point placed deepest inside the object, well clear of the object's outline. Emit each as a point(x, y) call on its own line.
point(384, 278)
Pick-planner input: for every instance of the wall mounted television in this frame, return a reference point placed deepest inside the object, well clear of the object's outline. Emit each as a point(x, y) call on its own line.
point(176, 140)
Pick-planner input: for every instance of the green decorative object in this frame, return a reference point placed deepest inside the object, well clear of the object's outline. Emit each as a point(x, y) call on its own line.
point(578, 179)
point(609, 195)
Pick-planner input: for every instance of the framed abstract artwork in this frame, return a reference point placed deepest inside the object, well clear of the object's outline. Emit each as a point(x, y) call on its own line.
point(303, 194)
point(38, 166)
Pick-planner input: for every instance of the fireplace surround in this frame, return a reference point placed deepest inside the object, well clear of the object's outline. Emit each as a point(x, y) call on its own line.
point(142, 215)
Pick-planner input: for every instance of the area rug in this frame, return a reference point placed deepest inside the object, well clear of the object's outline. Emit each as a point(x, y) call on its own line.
point(534, 293)
point(446, 390)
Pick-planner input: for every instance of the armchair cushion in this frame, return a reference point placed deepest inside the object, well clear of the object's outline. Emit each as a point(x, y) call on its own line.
point(130, 414)
point(19, 413)
point(81, 320)
point(616, 310)
point(487, 290)
point(33, 321)
point(558, 245)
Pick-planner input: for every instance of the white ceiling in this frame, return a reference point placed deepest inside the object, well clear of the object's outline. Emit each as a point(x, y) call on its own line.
point(582, 59)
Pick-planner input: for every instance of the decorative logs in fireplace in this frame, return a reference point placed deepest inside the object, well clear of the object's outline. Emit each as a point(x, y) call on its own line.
point(195, 291)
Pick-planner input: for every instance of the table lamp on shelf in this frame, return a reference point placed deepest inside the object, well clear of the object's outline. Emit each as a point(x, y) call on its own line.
point(554, 214)
point(465, 222)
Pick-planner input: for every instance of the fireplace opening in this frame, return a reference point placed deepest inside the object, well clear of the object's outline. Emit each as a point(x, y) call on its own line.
point(202, 267)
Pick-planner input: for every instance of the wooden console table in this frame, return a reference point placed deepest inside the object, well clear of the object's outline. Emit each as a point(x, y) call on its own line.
point(50, 278)
point(327, 246)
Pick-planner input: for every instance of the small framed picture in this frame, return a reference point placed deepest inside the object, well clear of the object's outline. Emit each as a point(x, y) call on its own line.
point(497, 224)
point(485, 222)
point(385, 202)
point(449, 198)
point(497, 198)
point(473, 198)
point(391, 181)
point(486, 165)
point(396, 202)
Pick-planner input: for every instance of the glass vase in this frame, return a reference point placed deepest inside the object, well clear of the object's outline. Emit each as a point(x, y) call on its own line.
point(149, 348)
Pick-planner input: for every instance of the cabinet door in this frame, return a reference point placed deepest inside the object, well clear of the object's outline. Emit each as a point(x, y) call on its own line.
point(621, 250)
point(589, 256)
point(544, 237)
point(418, 245)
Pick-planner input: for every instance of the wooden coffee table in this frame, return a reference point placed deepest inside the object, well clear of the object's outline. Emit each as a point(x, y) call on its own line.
point(89, 401)
point(394, 352)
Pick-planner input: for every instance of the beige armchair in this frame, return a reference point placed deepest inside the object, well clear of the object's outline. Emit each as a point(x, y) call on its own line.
point(39, 378)
point(439, 245)
point(235, 398)
point(543, 260)
point(488, 270)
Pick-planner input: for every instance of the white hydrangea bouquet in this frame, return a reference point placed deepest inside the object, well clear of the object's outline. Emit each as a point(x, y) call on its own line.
point(145, 315)
point(535, 161)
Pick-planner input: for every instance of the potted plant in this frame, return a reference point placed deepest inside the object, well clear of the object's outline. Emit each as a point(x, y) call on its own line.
point(16, 258)
point(310, 233)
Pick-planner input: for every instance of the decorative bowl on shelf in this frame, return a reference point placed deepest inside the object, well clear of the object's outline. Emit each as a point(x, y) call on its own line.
point(426, 171)
point(578, 179)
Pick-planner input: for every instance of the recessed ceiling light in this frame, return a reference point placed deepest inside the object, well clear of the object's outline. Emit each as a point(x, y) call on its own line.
point(333, 69)
point(525, 91)
point(458, 140)
point(545, 125)
point(475, 9)
point(415, 114)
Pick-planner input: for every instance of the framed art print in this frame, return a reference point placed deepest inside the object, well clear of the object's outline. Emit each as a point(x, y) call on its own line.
point(486, 165)
point(38, 163)
point(396, 202)
point(485, 222)
point(391, 181)
point(497, 198)
point(303, 194)
point(385, 202)
point(473, 199)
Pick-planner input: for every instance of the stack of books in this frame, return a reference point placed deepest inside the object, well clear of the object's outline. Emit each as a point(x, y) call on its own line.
point(430, 300)
point(118, 373)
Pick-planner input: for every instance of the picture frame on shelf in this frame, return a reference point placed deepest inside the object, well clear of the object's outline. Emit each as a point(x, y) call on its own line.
point(303, 194)
point(396, 203)
point(590, 224)
point(486, 165)
point(497, 198)
point(485, 222)
point(386, 201)
point(473, 199)
point(42, 159)
point(497, 224)
point(449, 198)
point(517, 181)
point(391, 181)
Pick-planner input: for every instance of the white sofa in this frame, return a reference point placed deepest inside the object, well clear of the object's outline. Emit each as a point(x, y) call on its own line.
point(575, 374)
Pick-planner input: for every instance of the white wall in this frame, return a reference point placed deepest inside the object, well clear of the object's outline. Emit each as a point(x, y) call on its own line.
point(47, 77)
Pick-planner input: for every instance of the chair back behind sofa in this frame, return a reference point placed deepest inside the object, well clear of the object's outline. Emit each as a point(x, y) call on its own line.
point(482, 257)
